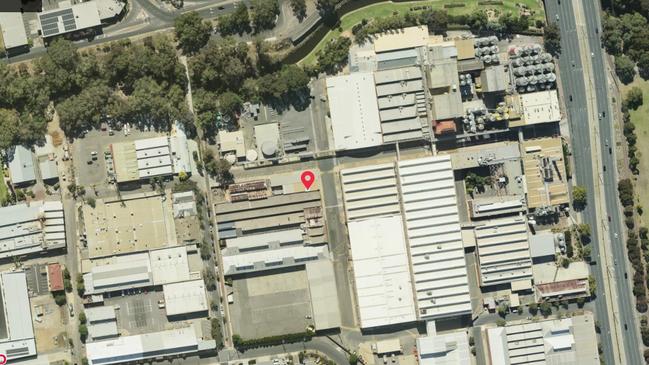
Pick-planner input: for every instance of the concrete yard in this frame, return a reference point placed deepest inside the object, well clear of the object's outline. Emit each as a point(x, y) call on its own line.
point(270, 305)
point(139, 313)
point(48, 328)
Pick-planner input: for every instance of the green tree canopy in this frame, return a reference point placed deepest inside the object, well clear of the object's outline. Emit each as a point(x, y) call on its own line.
point(579, 197)
point(59, 65)
point(192, 32)
point(334, 55)
point(9, 128)
point(264, 14)
point(230, 103)
point(624, 68)
point(221, 65)
point(552, 39)
point(84, 111)
point(633, 99)
point(236, 23)
point(299, 8)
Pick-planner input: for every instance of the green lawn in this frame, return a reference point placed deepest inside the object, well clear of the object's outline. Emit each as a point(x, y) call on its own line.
point(388, 8)
point(640, 119)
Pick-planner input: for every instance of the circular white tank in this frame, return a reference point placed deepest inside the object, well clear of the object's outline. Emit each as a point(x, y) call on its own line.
point(251, 155)
point(231, 159)
point(268, 148)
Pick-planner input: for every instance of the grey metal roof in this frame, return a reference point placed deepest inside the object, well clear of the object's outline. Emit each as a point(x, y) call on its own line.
point(21, 165)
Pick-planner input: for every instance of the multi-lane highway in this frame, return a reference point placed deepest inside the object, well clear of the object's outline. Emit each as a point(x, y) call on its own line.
point(585, 90)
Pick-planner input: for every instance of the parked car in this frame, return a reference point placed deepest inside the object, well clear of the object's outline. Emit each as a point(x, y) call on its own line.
point(71, 308)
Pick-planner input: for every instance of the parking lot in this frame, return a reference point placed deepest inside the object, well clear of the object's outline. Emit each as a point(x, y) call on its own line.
point(37, 280)
point(139, 313)
point(271, 304)
point(91, 171)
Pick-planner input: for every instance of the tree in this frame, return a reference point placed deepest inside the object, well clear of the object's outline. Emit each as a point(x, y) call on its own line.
point(334, 55)
point(533, 308)
point(579, 197)
point(81, 288)
point(264, 14)
point(327, 10)
point(586, 251)
point(206, 250)
point(299, 8)
point(67, 284)
point(83, 332)
point(625, 191)
point(477, 22)
point(9, 128)
point(565, 262)
point(624, 69)
point(59, 66)
point(353, 359)
point(500, 322)
point(546, 309)
point(82, 112)
point(82, 317)
point(552, 39)
point(91, 201)
point(612, 34)
point(592, 284)
point(643, 65)
point(584, 231)
point(238, 22)
point(221, 65)
point(633, 99)
point(512, 24)
point(59, 298)
point(437, 20)
point(192, 32)
point(502, 310)
point(230, 103)
point(219, 169)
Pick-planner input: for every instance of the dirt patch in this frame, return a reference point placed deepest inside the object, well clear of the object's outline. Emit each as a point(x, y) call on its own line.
point(48, 326)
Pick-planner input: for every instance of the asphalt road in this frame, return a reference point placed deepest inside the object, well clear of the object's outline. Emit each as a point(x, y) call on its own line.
point(574, 84)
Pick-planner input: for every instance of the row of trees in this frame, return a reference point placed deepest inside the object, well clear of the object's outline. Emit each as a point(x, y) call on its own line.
point(636, 250)
point(633, 99)
point(262, 17)
point(243, 344)
point(438, 21)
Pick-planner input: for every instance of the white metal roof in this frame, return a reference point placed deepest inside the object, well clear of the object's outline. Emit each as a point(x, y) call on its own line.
point(354, 111)
point(138, 347)
point(410, 37)
point(100, 314)
point(381, 273)
point(503, 251)
point(444, 349)
point(261, 241)
point(13, 29)
point(169, 265)
point(540, 107)
point(69, 19)
point(434, 236)
point(185, 297)
point(370, 191)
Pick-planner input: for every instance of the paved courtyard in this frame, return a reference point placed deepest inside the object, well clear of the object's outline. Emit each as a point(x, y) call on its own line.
point(139, 313)
point(271, 304)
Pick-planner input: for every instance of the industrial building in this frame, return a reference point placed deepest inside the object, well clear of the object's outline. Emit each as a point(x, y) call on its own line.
point(538, 107)
point(136, 270)
point(232, 146)
point(101, 322)
point(55, 278)
point(81, 17)
point(267, 140)
point(16, 330)
point(354, 111)
point(31, 227)
point(259, 259)
point(504, 253)
point(165, 344)
point(433, 233)
point(254, 210)
point(151, 157)
point(14, 35)
point(554, 283)
point(21, 166)
point(560, 342)
point(132, 223)
point(185, 298)
point(545, 173)
point(381, 271)
point(443, 349)
point(418, 202)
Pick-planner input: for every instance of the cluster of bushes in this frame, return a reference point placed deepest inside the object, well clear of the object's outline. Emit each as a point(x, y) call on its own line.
point(216, 333)
point(631, 139)
point(242, 344)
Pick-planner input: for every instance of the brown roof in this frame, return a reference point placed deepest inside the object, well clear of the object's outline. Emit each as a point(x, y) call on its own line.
point(55, 277)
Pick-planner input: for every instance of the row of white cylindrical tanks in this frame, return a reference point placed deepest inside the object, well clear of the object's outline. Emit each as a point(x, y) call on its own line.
point(475, 119)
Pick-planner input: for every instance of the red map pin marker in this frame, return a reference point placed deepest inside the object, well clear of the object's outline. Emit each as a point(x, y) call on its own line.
point(3, 359)
point(307, 177)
